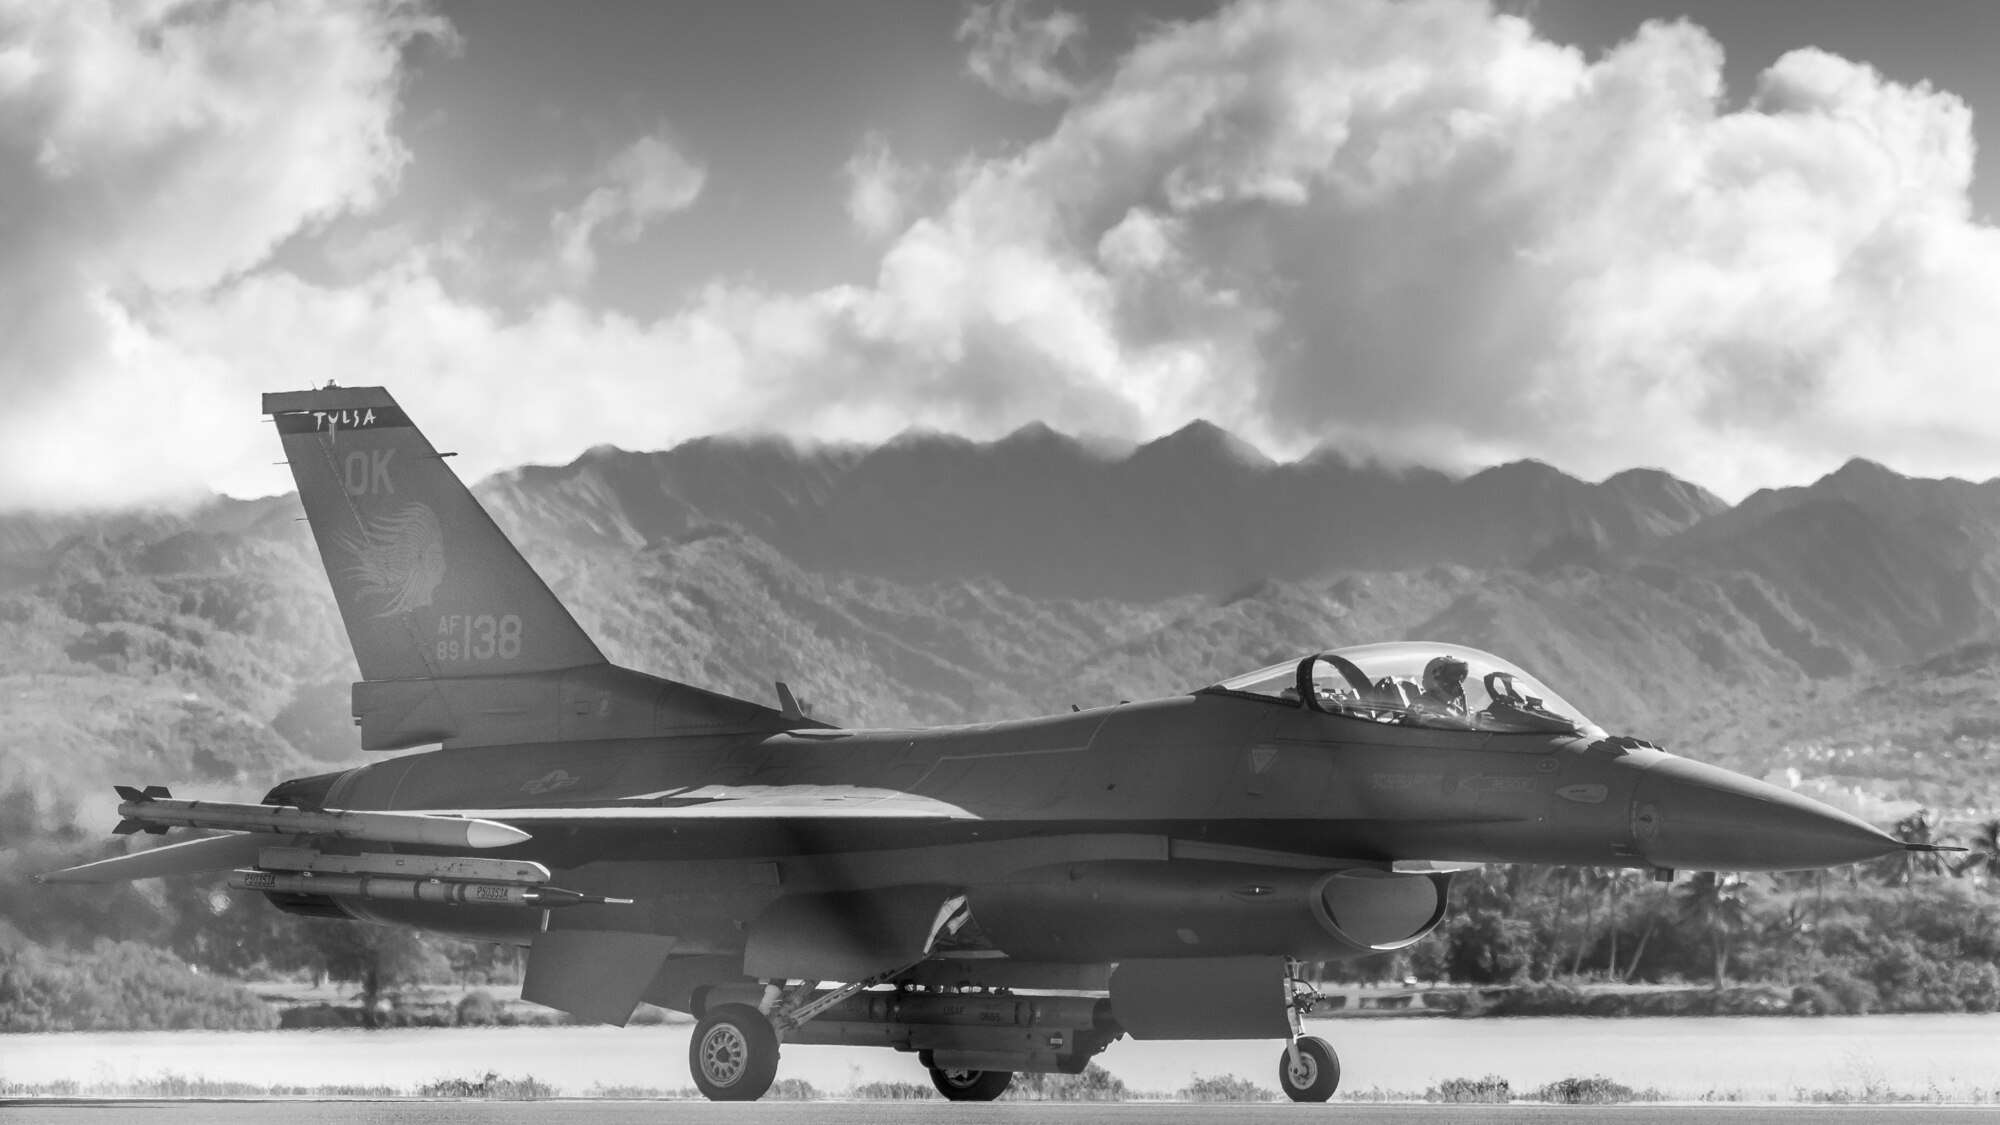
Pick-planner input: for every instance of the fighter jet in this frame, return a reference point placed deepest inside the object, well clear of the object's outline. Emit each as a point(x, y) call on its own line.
point(999, 898)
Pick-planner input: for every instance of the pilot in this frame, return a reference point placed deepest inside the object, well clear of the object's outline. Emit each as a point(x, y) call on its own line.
point(1444, 686)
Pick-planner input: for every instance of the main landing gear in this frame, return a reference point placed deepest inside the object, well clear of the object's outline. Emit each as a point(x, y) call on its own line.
point(970, 1085)
point(733, 1054)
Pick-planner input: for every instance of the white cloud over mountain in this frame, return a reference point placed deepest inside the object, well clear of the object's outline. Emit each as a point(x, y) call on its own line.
point(1415, 231)
point(640, 183)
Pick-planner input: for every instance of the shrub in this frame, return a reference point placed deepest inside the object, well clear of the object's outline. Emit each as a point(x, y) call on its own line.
point(489, 1086)
point(1226, 1088)
point(1836, 992)
point(1595, 1090)
point(1491, 1088)
point(1095, 1084)
point(478, 1009)
point(792, 1090)
point(893, 1091)
point(1488, 947)
point(119, 986)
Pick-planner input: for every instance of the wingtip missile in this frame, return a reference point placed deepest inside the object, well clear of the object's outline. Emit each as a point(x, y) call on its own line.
point(490, 833)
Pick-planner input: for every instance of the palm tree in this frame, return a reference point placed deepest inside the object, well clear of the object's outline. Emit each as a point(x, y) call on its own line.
point(1647, 890)
point(1901, 869)
point(1617, 882)
point(1565, 878)
point(1983, 861)
point(1715, 903)
point(1597, 882)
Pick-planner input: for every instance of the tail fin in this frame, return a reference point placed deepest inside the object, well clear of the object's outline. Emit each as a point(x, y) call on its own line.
point(428, 587)
point(459, 640)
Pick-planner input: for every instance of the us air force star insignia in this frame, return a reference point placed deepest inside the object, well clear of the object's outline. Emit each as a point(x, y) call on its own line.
point(549, 782)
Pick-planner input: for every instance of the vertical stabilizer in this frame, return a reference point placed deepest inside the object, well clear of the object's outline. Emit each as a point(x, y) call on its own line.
point(428, 586)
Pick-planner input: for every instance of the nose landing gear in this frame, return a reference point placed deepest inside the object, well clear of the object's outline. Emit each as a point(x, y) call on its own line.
point(1309, 1071)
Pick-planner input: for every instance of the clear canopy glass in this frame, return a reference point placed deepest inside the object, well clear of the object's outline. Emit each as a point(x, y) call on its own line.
point(1387, 683)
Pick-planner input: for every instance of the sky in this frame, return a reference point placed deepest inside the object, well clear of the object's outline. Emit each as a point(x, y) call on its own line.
point(1742, 241)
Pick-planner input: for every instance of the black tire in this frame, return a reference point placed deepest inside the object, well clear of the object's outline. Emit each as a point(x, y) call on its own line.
point(733, 1054)
point(971, 1085)
point(1317, 1075)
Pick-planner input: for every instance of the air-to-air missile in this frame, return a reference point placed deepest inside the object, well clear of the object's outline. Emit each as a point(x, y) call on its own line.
point(153, 810)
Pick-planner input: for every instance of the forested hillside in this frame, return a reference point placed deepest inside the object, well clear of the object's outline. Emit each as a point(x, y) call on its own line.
point(1839, 636)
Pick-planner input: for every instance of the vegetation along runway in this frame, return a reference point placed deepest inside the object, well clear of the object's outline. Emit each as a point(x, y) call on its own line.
point(604, 1112)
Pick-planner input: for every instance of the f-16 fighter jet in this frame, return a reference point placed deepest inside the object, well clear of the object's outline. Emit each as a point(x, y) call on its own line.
point(995, 899)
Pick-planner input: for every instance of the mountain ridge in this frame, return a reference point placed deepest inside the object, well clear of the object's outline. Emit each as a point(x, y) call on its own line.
point(936, 581)
point(1196, 511)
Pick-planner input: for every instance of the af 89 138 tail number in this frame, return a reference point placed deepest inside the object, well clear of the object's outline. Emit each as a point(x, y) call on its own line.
point(483, 636)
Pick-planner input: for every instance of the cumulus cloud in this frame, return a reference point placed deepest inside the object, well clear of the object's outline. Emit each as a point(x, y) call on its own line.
point(1020, 55)
point(163, 148)
point(642, 182)
point(880, 188)
point(1417, 231)
point(1414, 231)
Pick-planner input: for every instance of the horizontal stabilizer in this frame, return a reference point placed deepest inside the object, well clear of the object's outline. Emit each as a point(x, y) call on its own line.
point(217, 853)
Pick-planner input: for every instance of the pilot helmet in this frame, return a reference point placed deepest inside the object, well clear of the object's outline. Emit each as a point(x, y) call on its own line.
point(1445, 676)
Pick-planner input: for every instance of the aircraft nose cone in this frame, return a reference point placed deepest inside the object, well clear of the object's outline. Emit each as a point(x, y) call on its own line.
point(1703, 818)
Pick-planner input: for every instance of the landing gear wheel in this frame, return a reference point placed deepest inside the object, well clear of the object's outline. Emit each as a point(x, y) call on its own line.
point(733, 1054)
point(1315, 1076)
point(970, 1085)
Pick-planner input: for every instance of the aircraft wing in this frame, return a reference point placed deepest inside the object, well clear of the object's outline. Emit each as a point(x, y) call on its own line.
point(788, 802)
point(216, 853)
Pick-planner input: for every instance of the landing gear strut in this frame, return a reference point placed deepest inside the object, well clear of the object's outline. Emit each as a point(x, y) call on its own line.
point(733, 1054)
point(970, 1085)
point(1309, 1071)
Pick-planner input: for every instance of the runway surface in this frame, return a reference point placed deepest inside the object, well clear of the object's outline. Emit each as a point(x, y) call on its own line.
point(572, 1112)
point(1755, 1061)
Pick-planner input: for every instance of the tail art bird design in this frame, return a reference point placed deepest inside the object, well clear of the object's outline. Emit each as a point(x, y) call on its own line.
point(398, 557)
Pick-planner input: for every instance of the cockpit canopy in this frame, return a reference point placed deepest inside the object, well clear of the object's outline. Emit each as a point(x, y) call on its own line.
point(1447, 687)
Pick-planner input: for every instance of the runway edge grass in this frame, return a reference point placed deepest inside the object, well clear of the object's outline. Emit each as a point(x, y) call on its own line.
point(1087, 1087)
